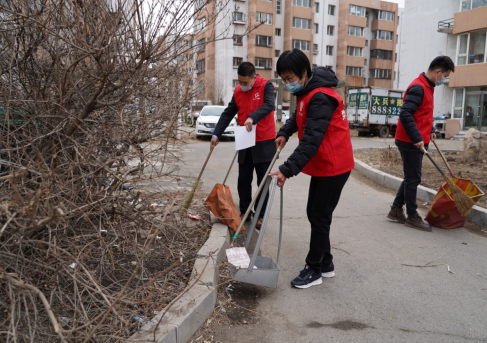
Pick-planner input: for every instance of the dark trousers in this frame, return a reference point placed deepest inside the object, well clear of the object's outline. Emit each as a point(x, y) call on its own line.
point(412, 161)
point(324, 193)
point(245, 177)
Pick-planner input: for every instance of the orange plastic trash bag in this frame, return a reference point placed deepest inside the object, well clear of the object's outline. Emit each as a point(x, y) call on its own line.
point(220, 203)
point(443, 212)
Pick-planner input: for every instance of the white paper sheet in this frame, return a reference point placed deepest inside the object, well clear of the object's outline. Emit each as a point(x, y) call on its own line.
point(243, 138)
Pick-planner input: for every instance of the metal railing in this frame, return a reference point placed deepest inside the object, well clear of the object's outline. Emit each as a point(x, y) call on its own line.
point(445, 24)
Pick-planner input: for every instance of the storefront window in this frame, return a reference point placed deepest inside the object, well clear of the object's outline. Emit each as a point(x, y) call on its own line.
point(458, 104)
point(472, 110)
point(476, 51)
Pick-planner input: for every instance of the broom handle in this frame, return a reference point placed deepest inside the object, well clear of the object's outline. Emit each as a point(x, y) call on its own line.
point(189, 198)
point(242, 221)
point(231, 165)
point(432, 161)
point(444, 159)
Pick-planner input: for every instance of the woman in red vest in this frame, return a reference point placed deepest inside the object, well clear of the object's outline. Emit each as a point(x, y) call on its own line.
point(324, 152)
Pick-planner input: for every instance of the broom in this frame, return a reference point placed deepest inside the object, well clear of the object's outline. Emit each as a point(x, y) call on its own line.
point(462, 200)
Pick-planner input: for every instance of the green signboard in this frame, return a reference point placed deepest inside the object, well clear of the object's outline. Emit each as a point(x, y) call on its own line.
point(384, 105)
point(361, 98)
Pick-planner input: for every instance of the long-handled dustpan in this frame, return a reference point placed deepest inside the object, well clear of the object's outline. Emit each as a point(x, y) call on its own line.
point(220, 203)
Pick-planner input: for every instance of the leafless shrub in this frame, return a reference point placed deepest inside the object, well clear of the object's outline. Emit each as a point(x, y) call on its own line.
point(90, 92)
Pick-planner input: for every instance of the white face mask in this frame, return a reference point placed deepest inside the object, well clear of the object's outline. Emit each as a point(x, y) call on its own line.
point(441, 81)
point(247, 88)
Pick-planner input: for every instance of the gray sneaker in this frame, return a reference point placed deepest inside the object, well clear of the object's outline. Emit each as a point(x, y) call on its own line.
point(397, 214)
point(416, 222)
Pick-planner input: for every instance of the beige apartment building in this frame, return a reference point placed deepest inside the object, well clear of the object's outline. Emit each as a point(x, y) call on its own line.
point(460, 32)
point(356, 38)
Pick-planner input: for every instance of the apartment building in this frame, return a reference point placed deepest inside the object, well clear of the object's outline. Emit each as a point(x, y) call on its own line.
point(458, 29)
point(356, 38)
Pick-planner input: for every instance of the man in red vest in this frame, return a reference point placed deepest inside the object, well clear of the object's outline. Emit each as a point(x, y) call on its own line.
point(413, 134)
point(253, 99)
point(324, 152)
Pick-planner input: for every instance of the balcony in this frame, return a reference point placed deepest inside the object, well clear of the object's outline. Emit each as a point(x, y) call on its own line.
point(239, 18)
point(446, 26)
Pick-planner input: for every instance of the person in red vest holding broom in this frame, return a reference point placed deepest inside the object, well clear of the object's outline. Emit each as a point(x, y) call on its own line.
point(324, 152)
point(253, 99)
point(413, 134)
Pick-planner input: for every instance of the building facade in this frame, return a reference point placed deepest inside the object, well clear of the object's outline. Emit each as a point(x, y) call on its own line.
point(356, 38)
point(454, 28)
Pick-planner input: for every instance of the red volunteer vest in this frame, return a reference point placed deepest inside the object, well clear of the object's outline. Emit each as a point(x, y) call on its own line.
point(423, 117)
point(248, 102)
point(335, 154)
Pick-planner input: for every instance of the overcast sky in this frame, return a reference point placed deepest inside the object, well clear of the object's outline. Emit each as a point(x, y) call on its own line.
point(400, 2)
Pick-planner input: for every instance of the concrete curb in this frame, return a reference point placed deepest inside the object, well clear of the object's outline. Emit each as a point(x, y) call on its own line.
point(187, 313)
point(477, 215)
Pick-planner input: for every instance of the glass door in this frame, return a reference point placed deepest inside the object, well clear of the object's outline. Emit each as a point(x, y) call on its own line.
point(472, 110)
point(483, 111)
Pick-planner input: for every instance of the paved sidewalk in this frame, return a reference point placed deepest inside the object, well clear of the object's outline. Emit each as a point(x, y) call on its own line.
point(374, 297)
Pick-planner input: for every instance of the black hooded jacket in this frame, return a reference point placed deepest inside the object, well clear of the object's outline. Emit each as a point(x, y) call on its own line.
point(318, 117)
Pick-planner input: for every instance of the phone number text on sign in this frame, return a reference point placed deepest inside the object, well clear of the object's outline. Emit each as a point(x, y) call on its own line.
point(385, 105)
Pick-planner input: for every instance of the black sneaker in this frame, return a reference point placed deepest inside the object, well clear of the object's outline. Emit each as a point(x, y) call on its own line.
point(328, 271)
point(307, 278)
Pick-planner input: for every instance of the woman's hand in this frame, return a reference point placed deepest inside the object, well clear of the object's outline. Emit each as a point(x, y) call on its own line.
point(281, 179)
point(280, 142)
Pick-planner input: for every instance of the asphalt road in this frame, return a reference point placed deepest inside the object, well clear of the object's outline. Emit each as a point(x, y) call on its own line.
point(374, 296)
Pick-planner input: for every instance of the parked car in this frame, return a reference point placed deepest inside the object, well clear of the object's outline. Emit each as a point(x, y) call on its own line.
point(206, 122)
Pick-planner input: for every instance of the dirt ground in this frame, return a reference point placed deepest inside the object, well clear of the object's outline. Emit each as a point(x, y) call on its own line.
point(389, 161)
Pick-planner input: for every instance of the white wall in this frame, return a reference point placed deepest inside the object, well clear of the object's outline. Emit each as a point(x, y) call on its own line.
point(400, 13)
point(323, 19)
point(421, 43)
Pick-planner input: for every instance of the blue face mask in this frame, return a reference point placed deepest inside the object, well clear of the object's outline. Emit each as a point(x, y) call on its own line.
point(247, 88)
point(440, 82)
point(294, 87)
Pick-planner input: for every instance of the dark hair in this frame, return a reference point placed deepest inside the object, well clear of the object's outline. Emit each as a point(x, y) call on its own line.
point(442, 62)
point(246, 69)
point(293, 60)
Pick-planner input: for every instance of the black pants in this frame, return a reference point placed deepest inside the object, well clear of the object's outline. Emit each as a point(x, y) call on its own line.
point(245, 177)
point(324, 193)
point(412, 161)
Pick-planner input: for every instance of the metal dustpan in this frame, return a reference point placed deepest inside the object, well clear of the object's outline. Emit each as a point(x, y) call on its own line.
point(255, 269)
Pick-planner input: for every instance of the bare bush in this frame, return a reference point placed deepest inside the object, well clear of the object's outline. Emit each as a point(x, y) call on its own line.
point(90, 93)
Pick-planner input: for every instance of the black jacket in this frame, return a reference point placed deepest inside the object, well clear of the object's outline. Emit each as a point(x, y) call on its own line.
point(263, 151)
point(413, 99)
point(318, 117)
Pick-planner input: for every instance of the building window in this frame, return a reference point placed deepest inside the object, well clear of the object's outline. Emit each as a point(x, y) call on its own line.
point(263, 40)
point(329, 67)
point(263, 63)
point(317, 29)
point(329, 50)
point(278, 6)
point(199, 24)
point(237, 40)
point(382, 35)
point(314, 66)
point(317, 7)
point(301, 44)
point(354, 71)
point(330, 29)
point(237, 61)
point(301, 23)
point(202, 45)
point(277, 53)
point(380, 55)
point(366, 42)
point(380, 74)
point(200, 66)
point(395, 57)
point(458, 103)
point(384, 15)
point(356, 10)
point(471, 48)
point(356, 31)
point(472, 4)
point(278, 32)
point(234, 83)
point(315, 49)
point(238, 16)
point(265, 18)
point(267, 0)
point(302, 3)
point(354, 51)
point(331, 9)
point(365, 61)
